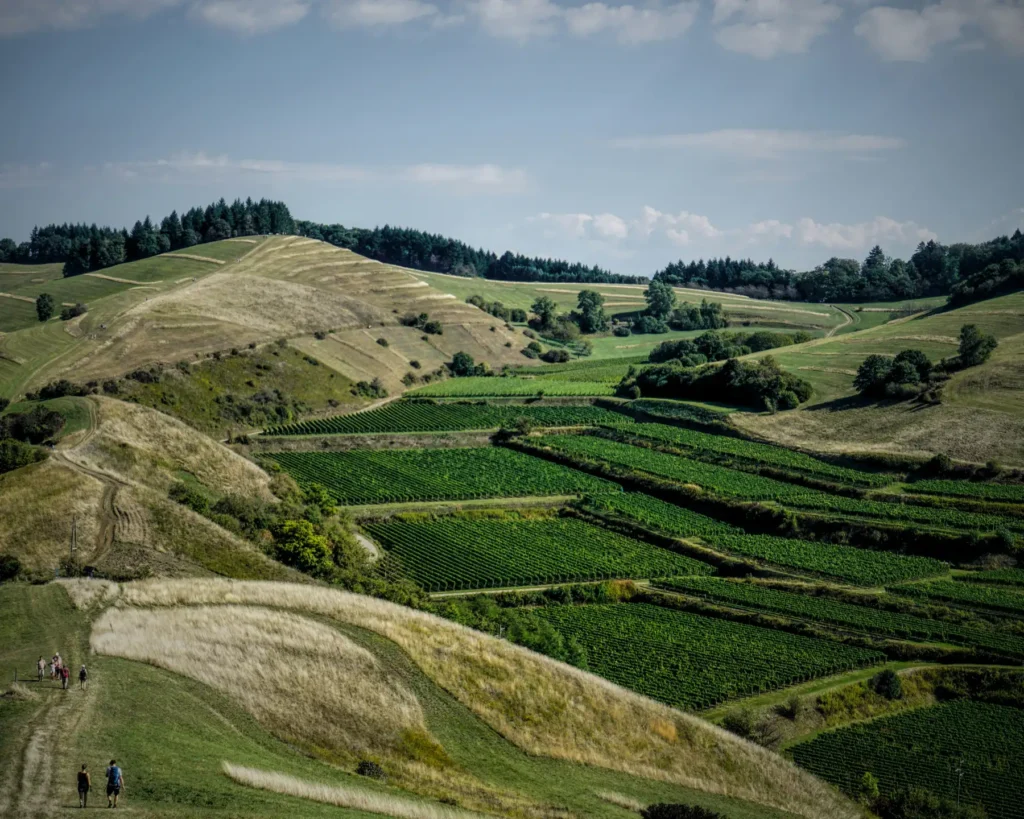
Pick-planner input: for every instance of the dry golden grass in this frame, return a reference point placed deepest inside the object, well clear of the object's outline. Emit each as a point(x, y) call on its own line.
point(17, 691)
point(142, 445)
point(85, 594)
point(343, 797)
point(623, 801)
point(545, 707)
point(304, 680)
point(37, 505)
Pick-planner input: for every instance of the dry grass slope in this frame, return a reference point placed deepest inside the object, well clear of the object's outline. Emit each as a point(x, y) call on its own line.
point(544, 707)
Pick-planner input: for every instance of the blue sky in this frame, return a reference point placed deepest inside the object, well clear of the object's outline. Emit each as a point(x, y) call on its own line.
point(627, 135)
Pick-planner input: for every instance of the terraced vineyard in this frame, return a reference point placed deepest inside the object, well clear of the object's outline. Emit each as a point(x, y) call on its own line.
point(861, 618)
point(922, 749)
point(485, 387)
point(454, 553)
point(733, 483)
point(691, 661)
point(391, 476)
point(750, 454)
point(418, 416)
point(1009, 577)
point(862, 566)
point(986, 596)
point(1004, 493)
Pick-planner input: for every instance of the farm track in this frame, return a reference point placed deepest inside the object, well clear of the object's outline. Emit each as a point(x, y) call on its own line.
point(847, 321)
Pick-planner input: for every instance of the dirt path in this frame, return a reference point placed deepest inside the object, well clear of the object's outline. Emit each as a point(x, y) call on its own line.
point(847, 321)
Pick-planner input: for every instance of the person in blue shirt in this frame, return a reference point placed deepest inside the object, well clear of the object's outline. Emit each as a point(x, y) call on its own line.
point(115, 781)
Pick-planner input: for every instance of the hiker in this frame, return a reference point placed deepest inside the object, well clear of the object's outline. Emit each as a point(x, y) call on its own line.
point(115, 781)
point(53, 667)
point(65, 675)
point(41, 667)
point(84, 784)
point(83, 675)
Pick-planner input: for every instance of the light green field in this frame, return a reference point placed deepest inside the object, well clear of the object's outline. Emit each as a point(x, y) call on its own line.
point(18, 275)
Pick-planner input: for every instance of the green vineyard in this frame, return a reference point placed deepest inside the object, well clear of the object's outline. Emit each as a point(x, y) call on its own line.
point(455, 553)
point(1003, 493)
point(749, 454)
point(925, 748)
point(744, 486)
point(861, 618)
point(1009, 577)
point(691, 661)
point(416, 416)
point(999, 598)
point(862, 566)
point(395, 476)
point(486, 387)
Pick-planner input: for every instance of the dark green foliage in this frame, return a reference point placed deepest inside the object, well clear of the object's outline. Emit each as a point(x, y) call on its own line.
point(371, 770)
point(1005, 277)
point(714, 346)
point(4, 403)
point(661, 299)
point(556, 355)
point(880, 376)
point(498, 310)
point(16, 454)
point(45, 306)
point(917, 360)
point(190, 496)
point(666, 811)
point(383, 342)
point(10, 567)
point(975, 346)
point(589, 313)
point(57, 389)
point(708, 316)
point(370, 389)
point(887, 684)
point(622, 331)
point(297, 544)
point(36, 426)
point(69, 313)
point(758, 384)
point(918, 803)
point(462, 365)
point(650, 324)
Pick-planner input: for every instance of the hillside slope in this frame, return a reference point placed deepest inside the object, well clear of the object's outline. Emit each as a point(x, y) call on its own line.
point(981, 416)
point(379, 705)
point(111, 481)
point(184, 305)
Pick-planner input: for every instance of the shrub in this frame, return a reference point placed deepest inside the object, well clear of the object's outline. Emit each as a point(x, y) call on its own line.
point(149, 376)
point(15, 454)
point(556, 356)
point(4, 403)
point(189, 496)
point(415, 364)
point(667, 811)
point(649, 324)
point(69, 313)
point(10, 567)
point(297, 544)
point(37, 425)
point(320, 335)
point(433, 328)
point(383, 342)
point(45, 306)
point(887, 683)
point(622, 331)
point(526, 351)
point(371, 770)
point(867, 790)
point(535, 347)
point(788, 400)
point(975, 346)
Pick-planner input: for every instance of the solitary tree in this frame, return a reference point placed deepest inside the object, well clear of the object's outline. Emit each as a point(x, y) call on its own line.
point(545, 309)
point(590, 314)
point(661, 299)
point(975, 346)
point(45, 306)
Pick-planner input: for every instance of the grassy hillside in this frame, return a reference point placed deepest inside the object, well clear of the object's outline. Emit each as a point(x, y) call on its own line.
point(111, 477)
point(230, 294)
point(982, 414)
point(431, 702)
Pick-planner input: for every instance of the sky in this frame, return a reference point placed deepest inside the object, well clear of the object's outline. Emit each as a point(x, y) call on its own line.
point(622, 134)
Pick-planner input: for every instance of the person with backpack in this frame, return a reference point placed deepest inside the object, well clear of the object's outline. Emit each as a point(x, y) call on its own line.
point(65, 675)
point(115, 781)
point(84, 784)
point(83, 675)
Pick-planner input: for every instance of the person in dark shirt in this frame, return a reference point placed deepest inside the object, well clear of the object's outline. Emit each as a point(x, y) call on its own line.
point(84, 784)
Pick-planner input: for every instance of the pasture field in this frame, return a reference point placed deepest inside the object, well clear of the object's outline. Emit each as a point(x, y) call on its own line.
point(13, 276)
point(750, 454)
point(16, 314)
point(1004, 493)
point(416, 416)
point(454, 553)
point(869, 619)
point(923, 748)
point(490, 386)
point(367, 476)
point(692, 661)
point(731, 483)
point(984, 595)
point(848, 563)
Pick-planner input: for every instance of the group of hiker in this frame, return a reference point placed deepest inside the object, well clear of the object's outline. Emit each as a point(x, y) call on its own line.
point(61, 671)
point(115, 783)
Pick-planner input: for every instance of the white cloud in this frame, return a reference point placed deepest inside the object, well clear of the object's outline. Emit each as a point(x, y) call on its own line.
point(881, 229)
point(353, 13)
point(200, 167)
point(24, 174)
point(610, 226)
point(767, 28)
point(250, 16)
point(678, 228)
point(632, 24)
point(767, 144)
point(902, 34)
point(24, 16)
point(516, 19)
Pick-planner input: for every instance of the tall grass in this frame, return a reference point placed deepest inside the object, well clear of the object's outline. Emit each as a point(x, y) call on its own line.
point(306, 681)
point(343, 797)
point(545, 707)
